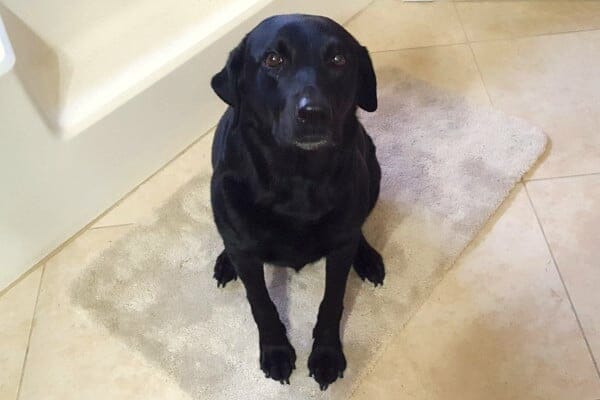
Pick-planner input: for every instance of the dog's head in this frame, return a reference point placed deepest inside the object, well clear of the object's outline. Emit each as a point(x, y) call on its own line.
point(301, 77)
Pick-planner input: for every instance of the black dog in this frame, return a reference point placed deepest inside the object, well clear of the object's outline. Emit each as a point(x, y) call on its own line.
point(295, 175)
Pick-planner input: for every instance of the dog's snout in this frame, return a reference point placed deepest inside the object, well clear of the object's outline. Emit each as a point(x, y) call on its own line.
point(312, 111)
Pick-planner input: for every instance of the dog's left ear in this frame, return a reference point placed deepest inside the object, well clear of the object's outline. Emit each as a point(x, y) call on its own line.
point(226, 83)
point(366, 94)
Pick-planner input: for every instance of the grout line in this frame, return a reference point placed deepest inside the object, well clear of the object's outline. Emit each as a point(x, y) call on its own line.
point(535, 35)
point(487, 92)
point(358, 13)
point(110, 226)
point(563, 177)
point(469, 42)
point(585, 339)
point(33, 317)
point(418, 47)
point(20, 278)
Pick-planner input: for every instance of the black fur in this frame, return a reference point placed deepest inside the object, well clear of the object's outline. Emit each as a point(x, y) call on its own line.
point(295, 175)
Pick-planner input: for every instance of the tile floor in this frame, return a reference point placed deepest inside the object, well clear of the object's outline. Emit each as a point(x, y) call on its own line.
point(516, 318)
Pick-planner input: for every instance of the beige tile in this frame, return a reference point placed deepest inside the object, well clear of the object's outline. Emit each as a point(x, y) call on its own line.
point(449, 67)
point(16, 312)
point(140, 205)
point(569, 210)
point(393, 24)
point(510, 19)
point(73, 357)
point(554, 81)
point(499, 326)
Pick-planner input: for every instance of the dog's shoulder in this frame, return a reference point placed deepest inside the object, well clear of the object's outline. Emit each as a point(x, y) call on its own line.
point(222, 133)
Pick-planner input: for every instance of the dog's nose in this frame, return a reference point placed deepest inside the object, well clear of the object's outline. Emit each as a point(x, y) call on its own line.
point(311, 111)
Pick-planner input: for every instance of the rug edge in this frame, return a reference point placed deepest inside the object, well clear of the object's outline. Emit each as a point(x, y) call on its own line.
point(542, 147)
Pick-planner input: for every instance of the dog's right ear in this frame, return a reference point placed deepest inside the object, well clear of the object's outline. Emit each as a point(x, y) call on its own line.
point(226, 83)
point(367, 84)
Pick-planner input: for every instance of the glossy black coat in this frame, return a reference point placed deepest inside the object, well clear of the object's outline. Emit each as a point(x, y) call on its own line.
point(289, 189)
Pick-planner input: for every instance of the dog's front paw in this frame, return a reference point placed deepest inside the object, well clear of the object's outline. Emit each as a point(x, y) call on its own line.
point(326, 363)
point(224, 270)
point(368, 264)
point(278, 361)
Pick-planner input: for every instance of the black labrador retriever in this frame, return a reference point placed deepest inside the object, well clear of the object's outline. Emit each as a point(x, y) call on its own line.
point(295, 175)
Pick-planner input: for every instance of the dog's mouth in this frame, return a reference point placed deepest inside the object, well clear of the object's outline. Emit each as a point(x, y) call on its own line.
point(305, 137)
point(311, 143)
point(310, 146)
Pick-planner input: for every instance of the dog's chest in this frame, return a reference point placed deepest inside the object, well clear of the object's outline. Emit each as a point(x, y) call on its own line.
point(290, 219)
point(300, 200)
point(306, 217)
point(301, 221)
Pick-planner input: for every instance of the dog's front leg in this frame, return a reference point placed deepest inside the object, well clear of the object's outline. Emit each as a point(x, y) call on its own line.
point(277, 356)
point(326, 361)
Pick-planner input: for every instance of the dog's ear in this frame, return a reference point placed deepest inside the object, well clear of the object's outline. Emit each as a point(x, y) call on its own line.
point(226, 83)
point(366, 94)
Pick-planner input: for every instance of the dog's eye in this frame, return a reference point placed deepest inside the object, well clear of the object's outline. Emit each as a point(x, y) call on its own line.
point(338, 60)
point(273, 60)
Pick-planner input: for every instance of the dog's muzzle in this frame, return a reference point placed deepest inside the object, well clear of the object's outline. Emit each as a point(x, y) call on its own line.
point(313, 118)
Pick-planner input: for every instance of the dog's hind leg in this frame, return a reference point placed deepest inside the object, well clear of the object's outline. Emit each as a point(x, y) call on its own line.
point(224, 270)
point(368, 263)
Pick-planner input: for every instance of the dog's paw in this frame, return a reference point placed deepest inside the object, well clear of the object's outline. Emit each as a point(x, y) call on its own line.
point(278, 361)
point(368, 264)
point(224, 270)
point(326, 364)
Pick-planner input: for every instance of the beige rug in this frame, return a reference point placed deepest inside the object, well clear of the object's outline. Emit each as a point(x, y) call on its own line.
point(447, 165)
